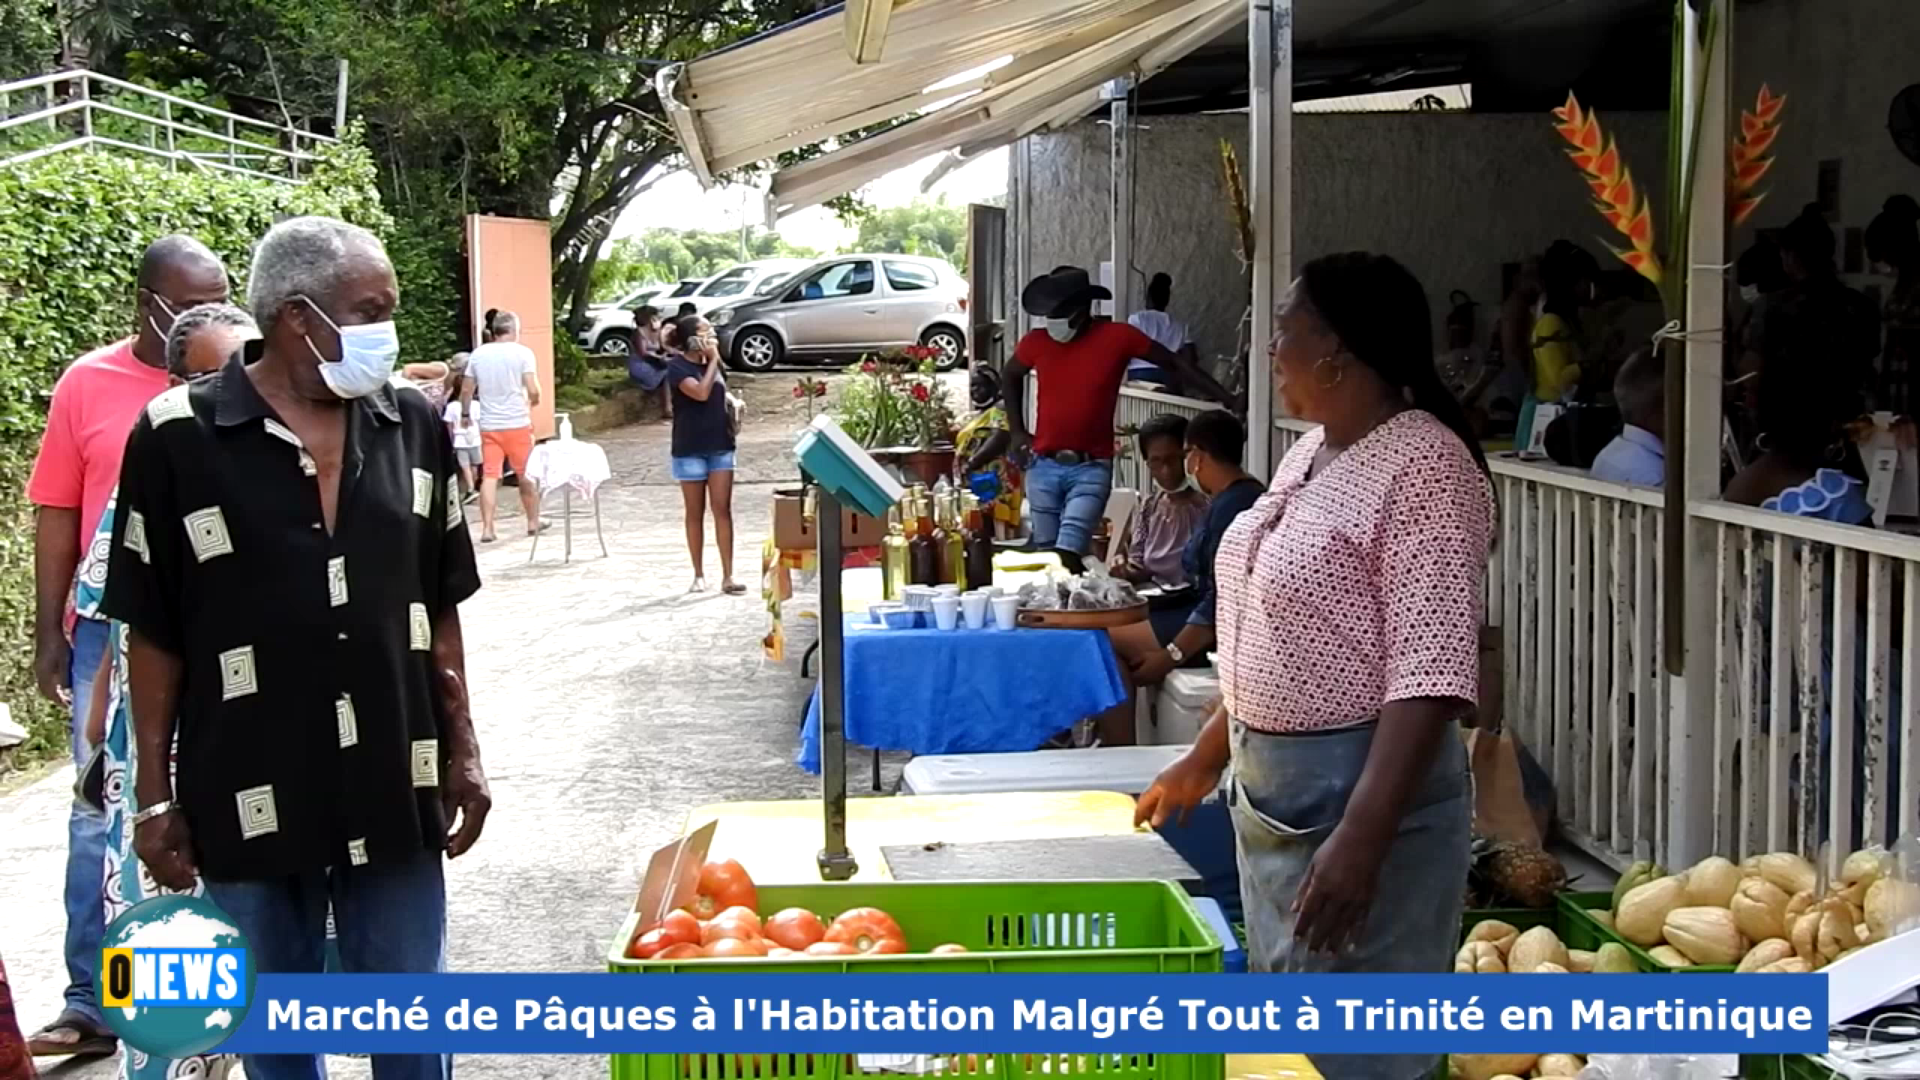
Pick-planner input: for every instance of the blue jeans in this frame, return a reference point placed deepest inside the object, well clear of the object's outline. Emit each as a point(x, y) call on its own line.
point(391, 919)
point(86, 837)
point(1067, 502)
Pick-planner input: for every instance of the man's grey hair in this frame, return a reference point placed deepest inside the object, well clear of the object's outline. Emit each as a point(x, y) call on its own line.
point(191, 322)
point(1640, 389)
point(505, 322)
point(305, 256)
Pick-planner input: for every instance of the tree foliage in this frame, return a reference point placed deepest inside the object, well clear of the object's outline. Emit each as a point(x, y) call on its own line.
point(664, 255)
point(523, 108)
point(930, 227)
point(72, 229)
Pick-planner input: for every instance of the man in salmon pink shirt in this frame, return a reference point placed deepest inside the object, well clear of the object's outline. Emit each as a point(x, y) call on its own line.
point(94, 407)
point(1080, 362)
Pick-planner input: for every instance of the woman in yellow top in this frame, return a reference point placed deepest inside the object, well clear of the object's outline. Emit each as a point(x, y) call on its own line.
point(1567, 275)
point(982, 446)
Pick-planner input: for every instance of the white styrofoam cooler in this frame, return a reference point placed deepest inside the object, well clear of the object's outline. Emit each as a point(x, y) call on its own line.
point(1128, 770)
point(1180, 707)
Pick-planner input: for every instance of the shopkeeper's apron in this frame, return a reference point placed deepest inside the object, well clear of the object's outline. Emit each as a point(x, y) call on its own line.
point(1287, 793)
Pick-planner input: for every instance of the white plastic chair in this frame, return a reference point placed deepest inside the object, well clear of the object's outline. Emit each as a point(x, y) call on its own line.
point(1122, 504)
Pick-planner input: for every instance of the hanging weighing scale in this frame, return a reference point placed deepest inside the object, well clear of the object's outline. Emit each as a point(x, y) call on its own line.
point(843, 474)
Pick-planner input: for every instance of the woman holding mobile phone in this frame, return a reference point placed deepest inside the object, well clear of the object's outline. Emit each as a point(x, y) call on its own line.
point(703, 445)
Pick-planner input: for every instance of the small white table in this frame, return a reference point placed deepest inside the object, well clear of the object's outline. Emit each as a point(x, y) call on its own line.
point(569, 465)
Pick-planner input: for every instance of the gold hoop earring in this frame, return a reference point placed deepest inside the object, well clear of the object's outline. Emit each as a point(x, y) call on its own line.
point(1339, 372)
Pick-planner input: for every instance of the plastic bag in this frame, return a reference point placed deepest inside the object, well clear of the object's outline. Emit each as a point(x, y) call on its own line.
point(1661, 1067)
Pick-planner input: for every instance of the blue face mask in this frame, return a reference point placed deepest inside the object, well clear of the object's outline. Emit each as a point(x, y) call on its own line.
point(367, 355)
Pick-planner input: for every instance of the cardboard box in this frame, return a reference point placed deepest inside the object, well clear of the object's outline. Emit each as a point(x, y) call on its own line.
point(793, 529)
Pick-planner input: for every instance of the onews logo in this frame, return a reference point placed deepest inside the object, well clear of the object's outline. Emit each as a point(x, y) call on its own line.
point(176, 976)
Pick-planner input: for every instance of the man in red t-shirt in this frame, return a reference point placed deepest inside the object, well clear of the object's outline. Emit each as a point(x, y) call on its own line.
point(94, 406)
point(1080, 362)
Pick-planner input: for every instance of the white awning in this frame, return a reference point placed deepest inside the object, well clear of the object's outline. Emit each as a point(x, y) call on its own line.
point(797, 85)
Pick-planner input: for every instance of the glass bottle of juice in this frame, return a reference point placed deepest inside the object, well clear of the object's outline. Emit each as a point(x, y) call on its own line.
point(979, 546)
point(923, 554)
point(957, 543)
point(896, 566)
point(942, 553)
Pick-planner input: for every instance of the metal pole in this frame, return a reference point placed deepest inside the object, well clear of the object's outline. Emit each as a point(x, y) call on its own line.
point(1690, 542)
point(340, 101)
point(1270, 120)
point(86, 108)
point(836, 863)
point(173, 150)
point(1120, 210)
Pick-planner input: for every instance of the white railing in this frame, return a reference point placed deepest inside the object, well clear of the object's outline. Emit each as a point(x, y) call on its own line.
point(1816, 729)
point(1816, 740)
point(1575, 586)
point(1137, 406)
point(80, 110)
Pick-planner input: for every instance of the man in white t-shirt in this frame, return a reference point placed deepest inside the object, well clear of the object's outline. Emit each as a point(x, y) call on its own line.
point(497, 395)
point(1170, 333)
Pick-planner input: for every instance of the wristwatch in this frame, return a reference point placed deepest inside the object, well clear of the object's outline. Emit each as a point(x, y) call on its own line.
point(148, 813)
point(1173, 650)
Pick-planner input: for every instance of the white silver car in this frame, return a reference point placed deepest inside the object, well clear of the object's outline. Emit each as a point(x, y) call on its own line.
point(610, 327)
point(847, 306)
point(737, 283)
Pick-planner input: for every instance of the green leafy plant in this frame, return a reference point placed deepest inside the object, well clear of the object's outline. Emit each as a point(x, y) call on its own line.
point(72, 228)
point(896, 400)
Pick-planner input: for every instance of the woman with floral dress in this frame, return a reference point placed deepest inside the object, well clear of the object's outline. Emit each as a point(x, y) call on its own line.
point(200, 341)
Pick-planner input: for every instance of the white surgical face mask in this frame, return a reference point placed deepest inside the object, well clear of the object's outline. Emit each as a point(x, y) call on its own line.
point(1060, 330)
point(1749, 293)
point(367, 355)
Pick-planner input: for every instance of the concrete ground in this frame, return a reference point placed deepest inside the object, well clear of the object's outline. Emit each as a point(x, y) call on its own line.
point(608, 701)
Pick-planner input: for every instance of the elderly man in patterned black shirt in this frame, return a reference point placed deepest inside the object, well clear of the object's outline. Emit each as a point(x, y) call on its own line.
point(289, 557)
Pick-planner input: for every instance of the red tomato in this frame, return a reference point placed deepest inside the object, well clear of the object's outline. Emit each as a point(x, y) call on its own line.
point(646, 945)
point(796, 928)
point(866, 929)
point(831, 948)
point(739, 923)
point(733, 948)
point(949, 948)
point(682, 951)
point(723, 885)
point(682, 927)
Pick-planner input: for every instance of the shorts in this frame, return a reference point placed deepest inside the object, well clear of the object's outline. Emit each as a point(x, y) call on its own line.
point(514, 446)
point(467, 456)
point(693, 469)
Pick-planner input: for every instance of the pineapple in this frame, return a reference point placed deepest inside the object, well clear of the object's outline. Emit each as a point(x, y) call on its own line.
point(1509, 874)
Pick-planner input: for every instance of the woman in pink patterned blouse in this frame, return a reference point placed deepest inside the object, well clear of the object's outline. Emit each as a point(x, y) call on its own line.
point(1349, 609)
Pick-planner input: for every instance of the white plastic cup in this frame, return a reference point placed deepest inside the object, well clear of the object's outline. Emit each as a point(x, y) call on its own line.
point(946, 612)
point(1006, 611)
point(949, 589)
point(973, 607)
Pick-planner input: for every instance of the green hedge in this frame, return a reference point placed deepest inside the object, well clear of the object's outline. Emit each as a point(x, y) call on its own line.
point(72, 228)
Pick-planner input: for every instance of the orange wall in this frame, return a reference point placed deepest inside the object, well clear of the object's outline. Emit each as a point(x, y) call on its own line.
point(509, 267)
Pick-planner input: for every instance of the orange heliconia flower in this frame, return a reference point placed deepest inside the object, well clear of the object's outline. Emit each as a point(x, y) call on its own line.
point(1618, 199)
point(1749, 161)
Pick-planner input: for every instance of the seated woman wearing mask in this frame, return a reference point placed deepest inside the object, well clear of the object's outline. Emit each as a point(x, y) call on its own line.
point(1179, 635)
point(1350, 603)
point(1155, 547)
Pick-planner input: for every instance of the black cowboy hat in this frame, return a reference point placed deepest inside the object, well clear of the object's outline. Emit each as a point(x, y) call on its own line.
point(1060, 292)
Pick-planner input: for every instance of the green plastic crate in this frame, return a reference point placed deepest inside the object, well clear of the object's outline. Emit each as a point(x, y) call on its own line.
point(1577, 910)
point(1059, 927)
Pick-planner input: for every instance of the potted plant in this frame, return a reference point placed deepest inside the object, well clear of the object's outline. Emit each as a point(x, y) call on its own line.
point(895, 407)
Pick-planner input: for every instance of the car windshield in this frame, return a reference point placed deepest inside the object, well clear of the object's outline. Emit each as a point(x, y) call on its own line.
point(772, 284)
point(686, 289)
point(732, 283)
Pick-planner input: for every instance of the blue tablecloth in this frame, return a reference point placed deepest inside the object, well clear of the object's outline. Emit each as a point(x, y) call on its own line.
point(967, 691)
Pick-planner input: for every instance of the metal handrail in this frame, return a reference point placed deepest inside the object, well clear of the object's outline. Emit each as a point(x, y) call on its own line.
point(225, 128)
